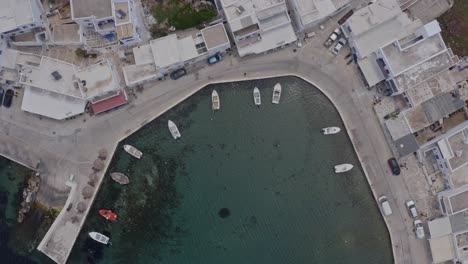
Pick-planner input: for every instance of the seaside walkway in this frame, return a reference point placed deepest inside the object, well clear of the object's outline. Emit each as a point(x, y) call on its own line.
point(77, 142)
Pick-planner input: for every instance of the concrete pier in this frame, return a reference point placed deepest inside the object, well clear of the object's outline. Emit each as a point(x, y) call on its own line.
point(70, 147)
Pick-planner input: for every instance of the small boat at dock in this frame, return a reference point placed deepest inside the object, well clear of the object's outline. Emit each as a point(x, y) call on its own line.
point(257, 98)
point(343, 168)
point(173, 129)
point(133, 151)
point(99, 237)
point(108, 214)
point(215, 100)
point(276, 93)
point(120, 178)
point(330, 130)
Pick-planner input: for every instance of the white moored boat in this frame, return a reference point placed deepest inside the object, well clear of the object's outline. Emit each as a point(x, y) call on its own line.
point(174, 130)
point(120, 178)
point(256, 95)
point(99, 237)
point(133, 151)
point(330, 130)
point(276, 94)
point(343, 168)
point(215, 100)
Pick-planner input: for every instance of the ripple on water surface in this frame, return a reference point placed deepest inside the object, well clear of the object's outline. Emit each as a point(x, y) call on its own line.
point(242, 185)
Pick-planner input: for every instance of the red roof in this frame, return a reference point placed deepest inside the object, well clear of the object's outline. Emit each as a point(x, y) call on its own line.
point(108, 104)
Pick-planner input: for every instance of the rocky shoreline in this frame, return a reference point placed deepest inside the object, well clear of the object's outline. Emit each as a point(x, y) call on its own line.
point(29, 196)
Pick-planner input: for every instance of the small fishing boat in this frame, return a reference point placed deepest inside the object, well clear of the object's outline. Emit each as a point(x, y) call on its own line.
point(257, 98)
point(108, 214)
point(173, 129)
point(330, 130)
point(343, 168)
point(133, 151)
point(276, 93)
point(215, 100)
point(99, 237)
point(120, 178)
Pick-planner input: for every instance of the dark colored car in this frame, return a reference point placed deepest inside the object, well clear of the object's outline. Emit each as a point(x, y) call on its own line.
point(394, 166)
point(178, 73)
point(8, 98)
point(1, 95)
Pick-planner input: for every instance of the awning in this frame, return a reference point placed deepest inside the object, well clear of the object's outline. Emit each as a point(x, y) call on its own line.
point(110, 103)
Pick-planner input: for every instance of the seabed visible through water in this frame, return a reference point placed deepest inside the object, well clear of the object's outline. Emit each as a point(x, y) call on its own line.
point(243, 185)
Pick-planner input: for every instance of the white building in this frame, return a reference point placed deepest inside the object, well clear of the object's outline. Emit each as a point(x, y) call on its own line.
point(308, 13)
point(59, 90)
point(19, 16)
point(107, 17)
point(169, 53)
point(258, 26)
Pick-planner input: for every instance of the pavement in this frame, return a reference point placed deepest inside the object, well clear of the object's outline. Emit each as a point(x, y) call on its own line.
point(69, 148)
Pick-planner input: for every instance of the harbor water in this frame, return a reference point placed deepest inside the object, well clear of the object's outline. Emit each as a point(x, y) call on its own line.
point(244, 184)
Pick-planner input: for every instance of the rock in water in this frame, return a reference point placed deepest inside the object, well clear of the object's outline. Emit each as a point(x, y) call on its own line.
point(224, 212)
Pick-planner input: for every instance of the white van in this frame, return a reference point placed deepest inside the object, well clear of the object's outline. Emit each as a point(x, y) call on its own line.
point(385, 206)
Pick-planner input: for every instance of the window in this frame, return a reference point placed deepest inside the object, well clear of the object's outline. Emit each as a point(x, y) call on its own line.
point(436, 156)
point(25, 27)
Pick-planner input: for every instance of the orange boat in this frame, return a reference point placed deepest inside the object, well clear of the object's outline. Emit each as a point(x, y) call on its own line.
point(108, 214)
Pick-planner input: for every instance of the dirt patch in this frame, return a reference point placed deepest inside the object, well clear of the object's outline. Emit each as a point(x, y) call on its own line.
point(454, 26)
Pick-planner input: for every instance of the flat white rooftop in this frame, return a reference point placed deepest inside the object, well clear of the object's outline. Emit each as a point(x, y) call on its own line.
point(373, 15)
point(215, 36)
point(138, 73)
point(99, 79)
point(14, 13)
point(143, 55)
point(399, 61)
point(270, 40)
point(314, 10)
point(51, 104)
point(170, 50)
point(88, 8)
point(64, 78)
point(41, 77)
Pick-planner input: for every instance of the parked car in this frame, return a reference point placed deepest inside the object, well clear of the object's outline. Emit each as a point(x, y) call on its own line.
point(334, 36)
point(1, 95)
point(386, 209)
point(339, 45)
point(8, 98)
point(412, 209)
point(419, 229)
point(178, 73)
point(394, 166)
point(215, 58)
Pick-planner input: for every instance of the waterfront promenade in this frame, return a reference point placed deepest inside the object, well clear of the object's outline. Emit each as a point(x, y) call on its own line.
point(70, 147)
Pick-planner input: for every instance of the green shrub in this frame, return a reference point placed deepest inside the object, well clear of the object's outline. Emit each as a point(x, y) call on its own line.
point(182, 15)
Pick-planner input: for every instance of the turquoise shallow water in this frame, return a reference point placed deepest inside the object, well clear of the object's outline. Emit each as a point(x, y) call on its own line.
point(270, 166)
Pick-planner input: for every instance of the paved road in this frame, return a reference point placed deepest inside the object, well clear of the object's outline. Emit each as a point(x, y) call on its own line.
point(74, 144)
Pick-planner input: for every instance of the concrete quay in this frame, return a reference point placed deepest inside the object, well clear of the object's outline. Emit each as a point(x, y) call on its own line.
point(67, 148)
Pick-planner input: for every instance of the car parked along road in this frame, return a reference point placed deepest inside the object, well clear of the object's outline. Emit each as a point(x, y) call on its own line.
point(8, 98)
point(178, 73)
point(394, 166)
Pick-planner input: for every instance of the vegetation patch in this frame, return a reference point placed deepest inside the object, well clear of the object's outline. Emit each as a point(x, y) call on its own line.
point(455, 27)
point(177, 14)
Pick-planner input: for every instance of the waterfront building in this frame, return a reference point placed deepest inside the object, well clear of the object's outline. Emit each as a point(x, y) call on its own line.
point(258, 26)
point(60, 90)
point(163, 55)
point(308, 13)
point(114, 19)
point(449, 234)
point(416, 65)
